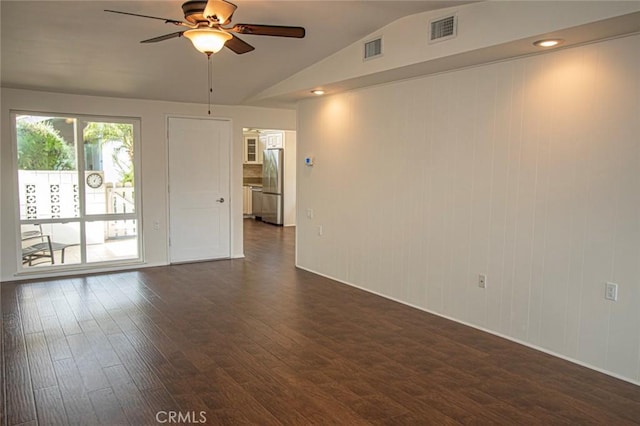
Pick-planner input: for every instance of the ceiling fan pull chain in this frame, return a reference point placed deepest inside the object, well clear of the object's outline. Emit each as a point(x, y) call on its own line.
point(210, 80)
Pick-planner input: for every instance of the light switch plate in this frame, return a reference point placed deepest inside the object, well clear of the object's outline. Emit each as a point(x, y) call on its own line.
point(611, 291)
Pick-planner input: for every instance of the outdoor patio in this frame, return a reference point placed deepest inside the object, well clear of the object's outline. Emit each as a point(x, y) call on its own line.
point(116, 249)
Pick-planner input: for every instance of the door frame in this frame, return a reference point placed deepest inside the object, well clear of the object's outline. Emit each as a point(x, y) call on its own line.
point(230, 204)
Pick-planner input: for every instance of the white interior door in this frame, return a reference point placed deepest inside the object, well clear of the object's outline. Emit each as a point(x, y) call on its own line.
point(199, 209)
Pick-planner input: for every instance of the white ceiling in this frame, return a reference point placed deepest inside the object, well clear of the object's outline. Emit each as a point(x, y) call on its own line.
point(76, 47)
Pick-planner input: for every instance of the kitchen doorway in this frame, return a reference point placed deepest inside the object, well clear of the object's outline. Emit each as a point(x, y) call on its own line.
point(269, 176)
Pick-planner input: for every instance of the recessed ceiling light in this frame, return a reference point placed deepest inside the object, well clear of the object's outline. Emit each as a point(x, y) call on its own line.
point(548, 42)
point(318, 92)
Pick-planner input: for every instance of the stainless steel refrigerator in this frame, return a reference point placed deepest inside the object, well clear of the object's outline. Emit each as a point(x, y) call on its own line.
point(273, 186)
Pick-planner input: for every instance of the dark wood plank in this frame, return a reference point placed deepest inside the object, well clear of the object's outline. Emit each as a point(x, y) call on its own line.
point(30, 315)
point(94, 302)
point(88, 366)
point(50, 407)
point(77, 305)
point(134, 406)
point(229, 394)
point(257, 341)
point(334, 409)
point(66, 318)
point(18, 393)
point(44, 305)
point(40, 366)
point(159, 400)
point(56, 340)
point(74, 395)
point(99, 344)
point(2, 379)
point(107, 408)
point(141, 373)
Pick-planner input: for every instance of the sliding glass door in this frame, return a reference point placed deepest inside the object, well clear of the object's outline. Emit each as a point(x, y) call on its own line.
point(77, 190)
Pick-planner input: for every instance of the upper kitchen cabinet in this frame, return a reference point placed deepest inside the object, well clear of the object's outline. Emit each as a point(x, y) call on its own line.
point(256, 142)
point(272, 140)
point(253, 149)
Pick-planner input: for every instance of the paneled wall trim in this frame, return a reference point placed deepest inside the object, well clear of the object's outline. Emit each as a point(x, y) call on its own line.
point(526, 171)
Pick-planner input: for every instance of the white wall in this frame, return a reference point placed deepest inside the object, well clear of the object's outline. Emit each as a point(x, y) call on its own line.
point(290, 178)
point(153, 157)
point(2, 203)
point(525, 170)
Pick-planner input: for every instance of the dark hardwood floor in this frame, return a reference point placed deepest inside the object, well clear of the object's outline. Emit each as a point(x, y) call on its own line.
point(256, 341)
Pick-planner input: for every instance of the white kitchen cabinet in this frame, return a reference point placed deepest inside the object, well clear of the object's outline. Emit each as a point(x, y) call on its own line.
point(255, 144)
point(252, 150)
point(246, 200)
point(274, 140)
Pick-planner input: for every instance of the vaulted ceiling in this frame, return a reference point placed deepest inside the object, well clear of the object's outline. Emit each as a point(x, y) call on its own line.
point(76, 47)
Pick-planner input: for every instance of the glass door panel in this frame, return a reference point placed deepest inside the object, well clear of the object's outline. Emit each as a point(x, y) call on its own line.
point(111, 240)
point(77, 200)
point(109, 167)
point(50, 244)
point(47, 167)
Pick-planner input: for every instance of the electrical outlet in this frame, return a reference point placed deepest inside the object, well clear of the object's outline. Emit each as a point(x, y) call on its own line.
point(320, 230)
point(156, 225)
point(482, 281)
point(611, 291)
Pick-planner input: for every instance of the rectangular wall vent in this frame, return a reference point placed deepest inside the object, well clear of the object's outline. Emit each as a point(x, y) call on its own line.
point(443, 28)
point(372, 48)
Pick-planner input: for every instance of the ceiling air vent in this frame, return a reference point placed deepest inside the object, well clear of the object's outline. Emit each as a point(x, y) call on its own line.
point(373, 48)
point(443, 28)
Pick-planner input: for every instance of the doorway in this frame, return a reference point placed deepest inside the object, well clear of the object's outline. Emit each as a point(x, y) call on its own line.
point(199, 209)
point(256, 141)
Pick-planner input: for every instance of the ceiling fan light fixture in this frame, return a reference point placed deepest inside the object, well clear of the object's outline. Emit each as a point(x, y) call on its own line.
point(207, 40)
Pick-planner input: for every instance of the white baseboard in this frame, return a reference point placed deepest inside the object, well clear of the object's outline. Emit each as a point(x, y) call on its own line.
point(76, 270)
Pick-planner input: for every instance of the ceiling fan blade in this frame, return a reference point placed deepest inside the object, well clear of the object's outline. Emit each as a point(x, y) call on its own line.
point(238, 45)
point(269, 30)
point(167, 21)
point(219, 11)
point(163, 37)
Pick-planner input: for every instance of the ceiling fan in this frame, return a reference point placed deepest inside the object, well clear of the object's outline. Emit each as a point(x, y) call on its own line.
point(208, 28)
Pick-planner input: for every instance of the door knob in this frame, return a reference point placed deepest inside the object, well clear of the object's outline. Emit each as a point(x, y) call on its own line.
point(220, 200)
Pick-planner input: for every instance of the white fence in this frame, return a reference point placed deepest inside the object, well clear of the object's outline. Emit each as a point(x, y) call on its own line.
point(55, 194)
point(120, 199)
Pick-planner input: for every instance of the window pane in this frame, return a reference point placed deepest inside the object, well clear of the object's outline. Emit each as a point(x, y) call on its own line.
point(108, 149)
point(50, 244)
point(47, 167)
point(112, 240)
